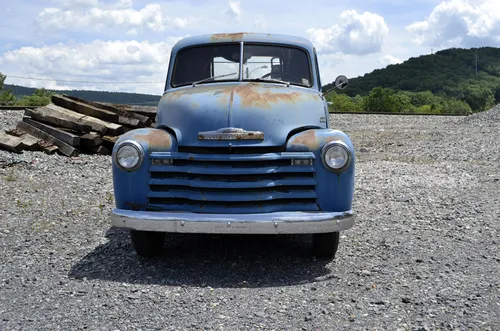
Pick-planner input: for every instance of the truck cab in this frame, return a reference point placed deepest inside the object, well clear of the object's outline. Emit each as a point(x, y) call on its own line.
point(242, 144)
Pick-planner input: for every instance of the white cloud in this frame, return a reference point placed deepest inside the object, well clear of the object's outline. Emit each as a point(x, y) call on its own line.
point(354, 34)
point(389, 59)
point(456, 23)
point(98, 61)
point(92, 14)
point(234, 10)
point(260, 24)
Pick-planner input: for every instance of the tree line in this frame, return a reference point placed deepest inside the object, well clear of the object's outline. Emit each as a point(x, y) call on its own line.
point(14, 95)
point(449, 81)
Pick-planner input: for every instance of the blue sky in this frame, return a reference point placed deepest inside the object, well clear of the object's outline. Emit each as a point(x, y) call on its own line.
point(121, 41)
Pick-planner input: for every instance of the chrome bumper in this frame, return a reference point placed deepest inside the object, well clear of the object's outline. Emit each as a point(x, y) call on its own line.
point(265, 223)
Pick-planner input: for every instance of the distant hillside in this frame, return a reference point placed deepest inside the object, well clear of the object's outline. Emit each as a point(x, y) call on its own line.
point(447, 73)
point(99, 96)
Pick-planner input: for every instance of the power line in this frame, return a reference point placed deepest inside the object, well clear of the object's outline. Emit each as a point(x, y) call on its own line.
point(81, 81)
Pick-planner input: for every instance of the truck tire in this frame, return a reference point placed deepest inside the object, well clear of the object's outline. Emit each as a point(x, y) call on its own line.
point(147, 243)
point(325, 245)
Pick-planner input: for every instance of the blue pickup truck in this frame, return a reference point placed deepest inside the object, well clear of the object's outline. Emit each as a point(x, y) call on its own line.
point(242, 144)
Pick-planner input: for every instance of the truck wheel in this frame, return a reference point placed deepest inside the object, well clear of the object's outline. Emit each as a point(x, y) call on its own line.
point(147, 243)
point(325, 245)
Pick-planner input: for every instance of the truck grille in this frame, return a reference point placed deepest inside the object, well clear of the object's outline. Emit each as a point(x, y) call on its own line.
point(229, 183)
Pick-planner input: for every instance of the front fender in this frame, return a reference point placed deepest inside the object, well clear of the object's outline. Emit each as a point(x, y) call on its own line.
point(131, 187)
point(335, 190)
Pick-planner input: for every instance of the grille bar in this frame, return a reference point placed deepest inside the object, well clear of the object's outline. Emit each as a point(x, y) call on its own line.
point(223, 169)
point(240, 184)
point(229, 195)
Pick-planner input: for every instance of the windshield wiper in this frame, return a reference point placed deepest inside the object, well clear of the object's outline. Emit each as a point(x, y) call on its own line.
point(270, 80)
point(213, 77)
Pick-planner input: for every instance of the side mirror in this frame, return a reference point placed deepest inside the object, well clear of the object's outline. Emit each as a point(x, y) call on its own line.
point(341, 82)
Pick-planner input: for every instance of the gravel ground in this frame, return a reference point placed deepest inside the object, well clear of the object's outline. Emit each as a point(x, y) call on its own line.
point(423, 255)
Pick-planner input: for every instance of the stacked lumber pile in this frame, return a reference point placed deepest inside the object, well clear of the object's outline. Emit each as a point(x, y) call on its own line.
point(71, 126)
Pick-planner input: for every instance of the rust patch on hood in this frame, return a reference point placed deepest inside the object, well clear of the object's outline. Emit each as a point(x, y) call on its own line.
point(155, 138)
point(253, 96)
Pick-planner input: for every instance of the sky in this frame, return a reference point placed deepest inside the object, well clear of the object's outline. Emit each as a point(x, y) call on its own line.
point(124, 45)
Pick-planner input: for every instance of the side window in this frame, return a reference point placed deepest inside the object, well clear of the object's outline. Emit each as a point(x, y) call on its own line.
point(317, 69)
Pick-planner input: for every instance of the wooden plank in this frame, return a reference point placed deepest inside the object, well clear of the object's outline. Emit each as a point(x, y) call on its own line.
point(62, 146)
point(90, 140)
point(68, 138)
point(59, 116)
point(11, 143)
point(83, 108)
point(100, 150)
point(29, 142)
point(109, 142)
point(133, 122)
point(97, 125)
point(47, 147)
point(125, 117)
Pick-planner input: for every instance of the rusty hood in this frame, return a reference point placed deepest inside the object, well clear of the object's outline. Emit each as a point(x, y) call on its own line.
point(271, 109)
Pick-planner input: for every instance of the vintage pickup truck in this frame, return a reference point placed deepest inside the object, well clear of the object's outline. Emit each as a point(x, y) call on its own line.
point(242, 144)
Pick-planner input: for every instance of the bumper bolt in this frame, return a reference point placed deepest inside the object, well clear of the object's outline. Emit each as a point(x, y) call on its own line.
point(182, 223)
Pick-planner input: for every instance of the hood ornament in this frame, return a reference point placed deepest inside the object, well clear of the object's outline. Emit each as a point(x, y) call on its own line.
point(231, 134)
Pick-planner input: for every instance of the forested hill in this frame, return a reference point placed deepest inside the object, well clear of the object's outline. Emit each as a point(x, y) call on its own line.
point(98, 96)
point(447, 73)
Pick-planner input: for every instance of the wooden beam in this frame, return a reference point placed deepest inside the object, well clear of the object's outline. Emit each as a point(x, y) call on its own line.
point(83, 108)
point(47, 147)
point(125, 117)
point(11, 143)
point(68, 138)
point(62, 146)
point(55, 115)
point(90, 140)
point(109, 142)
point(97, 125)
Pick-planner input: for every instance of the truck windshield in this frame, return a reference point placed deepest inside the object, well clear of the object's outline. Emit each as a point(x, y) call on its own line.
point(261, 62)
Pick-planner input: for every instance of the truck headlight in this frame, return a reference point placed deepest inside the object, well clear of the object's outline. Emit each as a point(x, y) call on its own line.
point(336, 155)
point(129, 155)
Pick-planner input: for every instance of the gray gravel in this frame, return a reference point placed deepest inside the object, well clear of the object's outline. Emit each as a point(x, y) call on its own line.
point(423, 255)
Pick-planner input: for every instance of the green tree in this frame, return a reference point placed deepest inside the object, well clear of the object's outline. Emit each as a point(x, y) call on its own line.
point(6, 97)
point(344, 103)
point(381, 100)
point(479, 98)
point(41, 97)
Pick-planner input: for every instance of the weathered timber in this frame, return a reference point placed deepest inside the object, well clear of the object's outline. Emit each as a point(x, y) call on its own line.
point(148, 111)
point(100, 150)
point(97, 125)
point(47, 147)
point(125, 117)
point(68, 138)
point(11, 143)
point(83, 108)
point(29, 142)
point(15, 132)
point(133, 122)
point(90, 140)
point(62, 146)
point(65, 118)
point(109, 142)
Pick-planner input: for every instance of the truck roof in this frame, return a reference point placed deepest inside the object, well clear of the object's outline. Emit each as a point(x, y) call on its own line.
point(244, 36)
